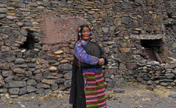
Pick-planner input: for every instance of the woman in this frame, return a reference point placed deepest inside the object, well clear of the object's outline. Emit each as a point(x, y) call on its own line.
point(87, 88)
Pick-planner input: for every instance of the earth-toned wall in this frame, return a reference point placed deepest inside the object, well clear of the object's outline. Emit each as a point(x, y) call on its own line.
point(37, 38)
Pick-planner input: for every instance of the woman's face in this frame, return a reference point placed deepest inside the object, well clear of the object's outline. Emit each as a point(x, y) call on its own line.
point(85, 34)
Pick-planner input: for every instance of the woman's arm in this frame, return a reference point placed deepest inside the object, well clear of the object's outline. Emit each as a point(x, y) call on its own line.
point(82, 56)
point(103, 56)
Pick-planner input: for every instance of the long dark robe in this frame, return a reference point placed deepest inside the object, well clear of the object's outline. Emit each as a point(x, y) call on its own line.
point(77, 95)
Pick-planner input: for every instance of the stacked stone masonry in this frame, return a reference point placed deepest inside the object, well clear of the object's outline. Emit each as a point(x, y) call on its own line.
point(37, 38)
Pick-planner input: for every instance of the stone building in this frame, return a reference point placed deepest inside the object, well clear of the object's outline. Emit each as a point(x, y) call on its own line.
point(37, 39)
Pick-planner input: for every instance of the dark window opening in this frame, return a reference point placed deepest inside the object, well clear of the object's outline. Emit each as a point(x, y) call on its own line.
point(169, 15)
point(153, 48)
point(132, 0)
point(30, 41)
point(148, 32)
point(168, 25)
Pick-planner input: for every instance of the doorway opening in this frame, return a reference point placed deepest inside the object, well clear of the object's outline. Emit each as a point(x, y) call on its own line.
point(152, 48)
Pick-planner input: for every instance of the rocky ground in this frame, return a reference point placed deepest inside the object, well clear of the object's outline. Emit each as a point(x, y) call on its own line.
point(135, 96)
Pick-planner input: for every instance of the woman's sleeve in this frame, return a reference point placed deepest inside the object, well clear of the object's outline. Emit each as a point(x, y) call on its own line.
point(82, 56)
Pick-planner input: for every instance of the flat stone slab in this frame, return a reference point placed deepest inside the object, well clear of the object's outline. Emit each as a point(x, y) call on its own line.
point(17, 84)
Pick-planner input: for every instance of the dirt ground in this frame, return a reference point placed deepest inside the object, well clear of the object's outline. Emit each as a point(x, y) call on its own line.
point(135, 96)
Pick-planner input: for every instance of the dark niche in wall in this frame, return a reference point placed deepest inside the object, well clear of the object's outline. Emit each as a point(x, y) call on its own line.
point(152, 48)
point(30, 41)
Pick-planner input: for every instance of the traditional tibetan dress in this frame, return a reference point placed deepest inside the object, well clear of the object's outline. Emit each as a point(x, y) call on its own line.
point(87, 88)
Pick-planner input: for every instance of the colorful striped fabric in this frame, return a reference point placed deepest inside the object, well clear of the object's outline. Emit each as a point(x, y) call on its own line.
point(94, 90)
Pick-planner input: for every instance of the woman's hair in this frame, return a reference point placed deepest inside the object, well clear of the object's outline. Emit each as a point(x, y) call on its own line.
point(81, 28)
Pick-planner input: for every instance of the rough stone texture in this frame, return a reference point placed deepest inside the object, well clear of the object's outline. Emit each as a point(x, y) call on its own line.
point(131, 66)
point(37, 42)
point(1, 81)
point(68, 75)
point(19, 70)
point(2, 16)
point(65, 67)
point(54, 86)
point(4, 90)
point(31, 82)
point(4, 66)
point(47, 81)
point(125, 49)
point(60, 80)
point(17, 84)
point(7, 73)
point(122, 67)
point(23, 91)
point(19, 61)
point(14, 90)
point(53, 68)
point(3, 10)
point(170, 66)
point(170, 75)
point(24, 32)
point(5, 48)
point(31, 89)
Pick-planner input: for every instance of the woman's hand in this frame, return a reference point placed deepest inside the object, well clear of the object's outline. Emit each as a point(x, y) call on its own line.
point(101, 61)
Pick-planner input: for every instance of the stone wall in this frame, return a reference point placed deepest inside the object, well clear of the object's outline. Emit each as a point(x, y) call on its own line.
point(155, 74)
point(35, 58)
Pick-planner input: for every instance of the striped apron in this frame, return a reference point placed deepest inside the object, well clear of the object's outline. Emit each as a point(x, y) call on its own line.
point(94, 89)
